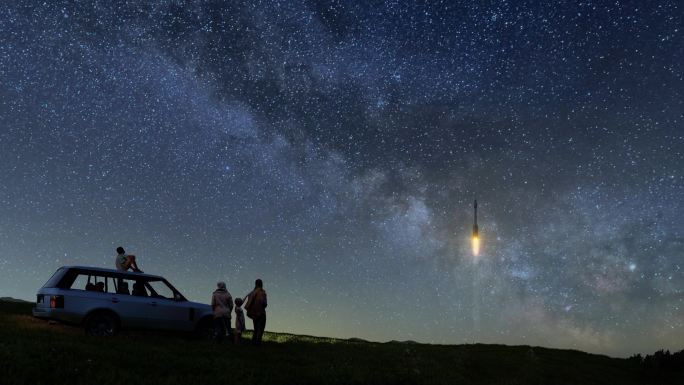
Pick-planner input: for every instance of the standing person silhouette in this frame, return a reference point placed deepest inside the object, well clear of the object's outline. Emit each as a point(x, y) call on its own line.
point(239, 322)
point(222, 306)
point(124, 262)
point(256, 310)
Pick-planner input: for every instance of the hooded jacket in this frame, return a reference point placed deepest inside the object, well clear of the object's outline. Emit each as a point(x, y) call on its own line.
point(221, 303)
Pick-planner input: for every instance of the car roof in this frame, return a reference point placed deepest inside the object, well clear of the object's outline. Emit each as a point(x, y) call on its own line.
point(101, 269)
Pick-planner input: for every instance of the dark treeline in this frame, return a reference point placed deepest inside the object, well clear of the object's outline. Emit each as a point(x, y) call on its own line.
point(662, 359)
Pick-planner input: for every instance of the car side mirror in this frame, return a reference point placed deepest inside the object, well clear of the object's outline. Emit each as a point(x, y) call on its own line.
point(177, 297)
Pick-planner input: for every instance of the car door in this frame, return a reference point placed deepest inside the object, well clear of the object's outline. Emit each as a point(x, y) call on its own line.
point(81, 297)
point(135, 311)
point(167, 313)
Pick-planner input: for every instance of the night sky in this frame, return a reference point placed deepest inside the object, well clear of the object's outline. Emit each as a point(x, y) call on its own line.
point(334, 149)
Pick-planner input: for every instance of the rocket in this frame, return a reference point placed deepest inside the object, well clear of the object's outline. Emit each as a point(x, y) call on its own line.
point(475, 228)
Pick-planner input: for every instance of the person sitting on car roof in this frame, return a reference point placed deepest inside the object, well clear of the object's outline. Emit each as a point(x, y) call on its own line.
point(124, 262)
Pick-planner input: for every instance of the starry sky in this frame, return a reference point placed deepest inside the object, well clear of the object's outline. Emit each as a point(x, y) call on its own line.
point(334, 149)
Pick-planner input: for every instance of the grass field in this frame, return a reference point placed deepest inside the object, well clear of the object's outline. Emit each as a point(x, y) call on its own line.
point(35, 352)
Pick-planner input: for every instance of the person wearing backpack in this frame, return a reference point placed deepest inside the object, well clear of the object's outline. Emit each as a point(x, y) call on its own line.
point(256, 310)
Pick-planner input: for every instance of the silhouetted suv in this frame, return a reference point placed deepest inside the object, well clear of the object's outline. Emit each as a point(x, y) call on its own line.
point(106, 300)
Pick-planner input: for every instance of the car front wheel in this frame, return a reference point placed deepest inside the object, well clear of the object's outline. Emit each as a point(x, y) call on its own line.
point(101, 325)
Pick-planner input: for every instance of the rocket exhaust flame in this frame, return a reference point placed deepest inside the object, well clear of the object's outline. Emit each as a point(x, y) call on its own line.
point(476, 233)
point(476, 245)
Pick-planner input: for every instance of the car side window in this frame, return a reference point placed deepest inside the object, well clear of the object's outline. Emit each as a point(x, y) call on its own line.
point(56, 278)
point(161, 290)
point(112, 285)
point(89, 282)
point(80, 282)
point(139, 289)
point(123, 286)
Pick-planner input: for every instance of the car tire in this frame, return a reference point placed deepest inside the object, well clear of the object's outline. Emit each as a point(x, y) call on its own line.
point(101, 325)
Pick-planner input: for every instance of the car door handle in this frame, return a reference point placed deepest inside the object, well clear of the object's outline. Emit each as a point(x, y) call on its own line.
point(153, 303)
point(115, 300)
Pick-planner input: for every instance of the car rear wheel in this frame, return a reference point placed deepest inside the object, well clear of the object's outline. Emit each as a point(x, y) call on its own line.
point(101, 325)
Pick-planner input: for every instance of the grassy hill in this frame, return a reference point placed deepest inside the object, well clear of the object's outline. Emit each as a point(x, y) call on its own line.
point(10, 299)
point(36, 352)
